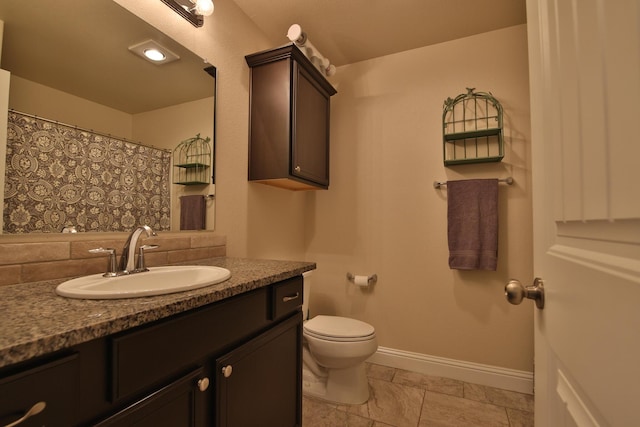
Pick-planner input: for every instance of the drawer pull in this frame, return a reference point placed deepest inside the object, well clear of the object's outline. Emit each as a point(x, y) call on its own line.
point(35, 409)
point(291, 297)
point(227, 370)
point(203, 384)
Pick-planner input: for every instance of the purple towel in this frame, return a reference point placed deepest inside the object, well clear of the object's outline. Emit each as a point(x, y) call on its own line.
point(472, 215)
point(192, 212)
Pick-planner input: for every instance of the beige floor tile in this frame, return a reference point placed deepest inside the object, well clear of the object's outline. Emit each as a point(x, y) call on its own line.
point(380, 372)
point(442, 410)
point(429, 382)
point(401, 398)
point(394, 404)
point(508, 399)
point(520, 418)
point(316, 413)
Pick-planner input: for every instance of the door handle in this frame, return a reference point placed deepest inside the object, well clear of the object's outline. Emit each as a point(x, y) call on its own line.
point(515, 292)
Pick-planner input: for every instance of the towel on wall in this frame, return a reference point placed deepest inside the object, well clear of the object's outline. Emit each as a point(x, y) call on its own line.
point(472, 216)
point(192, 212)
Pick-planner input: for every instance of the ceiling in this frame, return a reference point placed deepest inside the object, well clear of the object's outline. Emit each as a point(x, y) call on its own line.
point(348, 31)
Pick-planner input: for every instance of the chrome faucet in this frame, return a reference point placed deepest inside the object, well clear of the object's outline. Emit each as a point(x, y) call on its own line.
point(127, 259)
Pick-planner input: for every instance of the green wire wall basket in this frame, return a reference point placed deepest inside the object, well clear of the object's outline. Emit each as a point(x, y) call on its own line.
point(472, 129)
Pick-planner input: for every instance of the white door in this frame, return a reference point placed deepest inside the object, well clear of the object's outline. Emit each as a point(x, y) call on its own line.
point(585, 96)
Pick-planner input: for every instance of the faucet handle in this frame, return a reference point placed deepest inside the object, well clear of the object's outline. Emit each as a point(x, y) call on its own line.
point(111, 262)
point(140, 264)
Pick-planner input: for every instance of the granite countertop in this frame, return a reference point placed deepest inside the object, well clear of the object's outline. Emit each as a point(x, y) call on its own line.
point(36, 321)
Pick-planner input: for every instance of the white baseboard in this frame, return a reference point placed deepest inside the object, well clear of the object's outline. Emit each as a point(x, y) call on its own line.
point(493, 376)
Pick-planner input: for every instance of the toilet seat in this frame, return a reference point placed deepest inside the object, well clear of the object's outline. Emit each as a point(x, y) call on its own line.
point(336, 328)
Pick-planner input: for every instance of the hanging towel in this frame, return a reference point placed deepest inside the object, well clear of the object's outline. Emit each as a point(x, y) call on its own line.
point(192, 212)
point(472, 215)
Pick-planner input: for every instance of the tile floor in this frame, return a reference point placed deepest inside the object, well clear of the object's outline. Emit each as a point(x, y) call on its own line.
point(400, 398)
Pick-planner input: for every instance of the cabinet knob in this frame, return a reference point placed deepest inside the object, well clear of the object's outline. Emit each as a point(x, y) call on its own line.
point(227, 370)
point(203, 384)
point(297, 169)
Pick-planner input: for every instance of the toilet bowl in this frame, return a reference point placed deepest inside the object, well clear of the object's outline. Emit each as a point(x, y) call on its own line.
point(334, 351)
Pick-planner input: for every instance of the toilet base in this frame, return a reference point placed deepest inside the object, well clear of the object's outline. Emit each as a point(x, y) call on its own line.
point(347, 386)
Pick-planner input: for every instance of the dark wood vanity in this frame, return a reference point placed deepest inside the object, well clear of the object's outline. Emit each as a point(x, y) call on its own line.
point(234, 362)
point(289, 120)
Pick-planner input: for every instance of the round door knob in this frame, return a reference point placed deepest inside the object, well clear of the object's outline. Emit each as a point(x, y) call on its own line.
point(515, 292)
point(227, 370)
point(203, 384)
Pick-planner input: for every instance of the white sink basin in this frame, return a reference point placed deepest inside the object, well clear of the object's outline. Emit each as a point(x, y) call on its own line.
point(156, 281)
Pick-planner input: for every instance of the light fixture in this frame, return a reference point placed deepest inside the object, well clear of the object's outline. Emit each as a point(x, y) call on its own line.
point(154, 52)
point(192, 10)
point(203, 7)
point(154, 55)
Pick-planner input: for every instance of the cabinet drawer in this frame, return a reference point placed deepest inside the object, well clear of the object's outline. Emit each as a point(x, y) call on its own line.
point(286, 297)
point(54, 383)
point(153, 354)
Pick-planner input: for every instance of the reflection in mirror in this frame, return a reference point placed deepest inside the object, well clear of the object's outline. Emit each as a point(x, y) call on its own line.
point(97, 119)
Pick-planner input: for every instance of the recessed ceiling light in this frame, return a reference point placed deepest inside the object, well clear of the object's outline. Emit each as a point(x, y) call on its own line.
point(154, 55)
point(154, 52)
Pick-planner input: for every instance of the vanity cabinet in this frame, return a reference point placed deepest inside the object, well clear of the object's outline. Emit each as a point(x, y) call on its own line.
point(170, 372)
point(289, 120)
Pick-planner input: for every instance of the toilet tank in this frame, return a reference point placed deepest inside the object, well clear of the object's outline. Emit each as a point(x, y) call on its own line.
point(306, 285)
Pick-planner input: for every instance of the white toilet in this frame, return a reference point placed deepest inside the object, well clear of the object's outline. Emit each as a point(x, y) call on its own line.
point(334, 351)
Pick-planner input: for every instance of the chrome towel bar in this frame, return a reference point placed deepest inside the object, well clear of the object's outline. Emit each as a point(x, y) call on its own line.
point(438, 184)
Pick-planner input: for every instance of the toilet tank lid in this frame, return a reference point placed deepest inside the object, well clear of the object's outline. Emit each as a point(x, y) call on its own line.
point(339, 327)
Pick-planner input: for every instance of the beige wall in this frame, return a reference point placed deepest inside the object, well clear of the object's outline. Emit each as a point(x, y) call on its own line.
point(382, 215)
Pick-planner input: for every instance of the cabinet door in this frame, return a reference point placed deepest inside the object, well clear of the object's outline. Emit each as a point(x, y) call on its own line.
point(310, 141)
point(182, 403)
point(259, 384)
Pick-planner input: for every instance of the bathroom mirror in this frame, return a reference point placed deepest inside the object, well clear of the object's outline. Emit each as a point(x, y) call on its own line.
point(71, 63)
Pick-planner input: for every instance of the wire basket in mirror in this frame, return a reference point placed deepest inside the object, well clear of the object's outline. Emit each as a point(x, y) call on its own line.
point(192, 161)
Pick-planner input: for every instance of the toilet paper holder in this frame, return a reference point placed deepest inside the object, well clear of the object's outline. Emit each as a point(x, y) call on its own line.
point(370, 279)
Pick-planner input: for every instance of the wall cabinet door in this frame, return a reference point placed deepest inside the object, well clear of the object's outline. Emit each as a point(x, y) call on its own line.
point(259, 383)
point(310, 141)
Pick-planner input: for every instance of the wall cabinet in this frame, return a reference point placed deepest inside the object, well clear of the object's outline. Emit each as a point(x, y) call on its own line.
point(289, 120)
point(170, 373)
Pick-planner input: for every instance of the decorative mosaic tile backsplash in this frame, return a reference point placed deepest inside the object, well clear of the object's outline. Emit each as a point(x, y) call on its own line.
point(58, 176)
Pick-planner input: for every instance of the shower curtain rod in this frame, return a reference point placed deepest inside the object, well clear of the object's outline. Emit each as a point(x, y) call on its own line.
point(33, 116)
point(438, 184)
